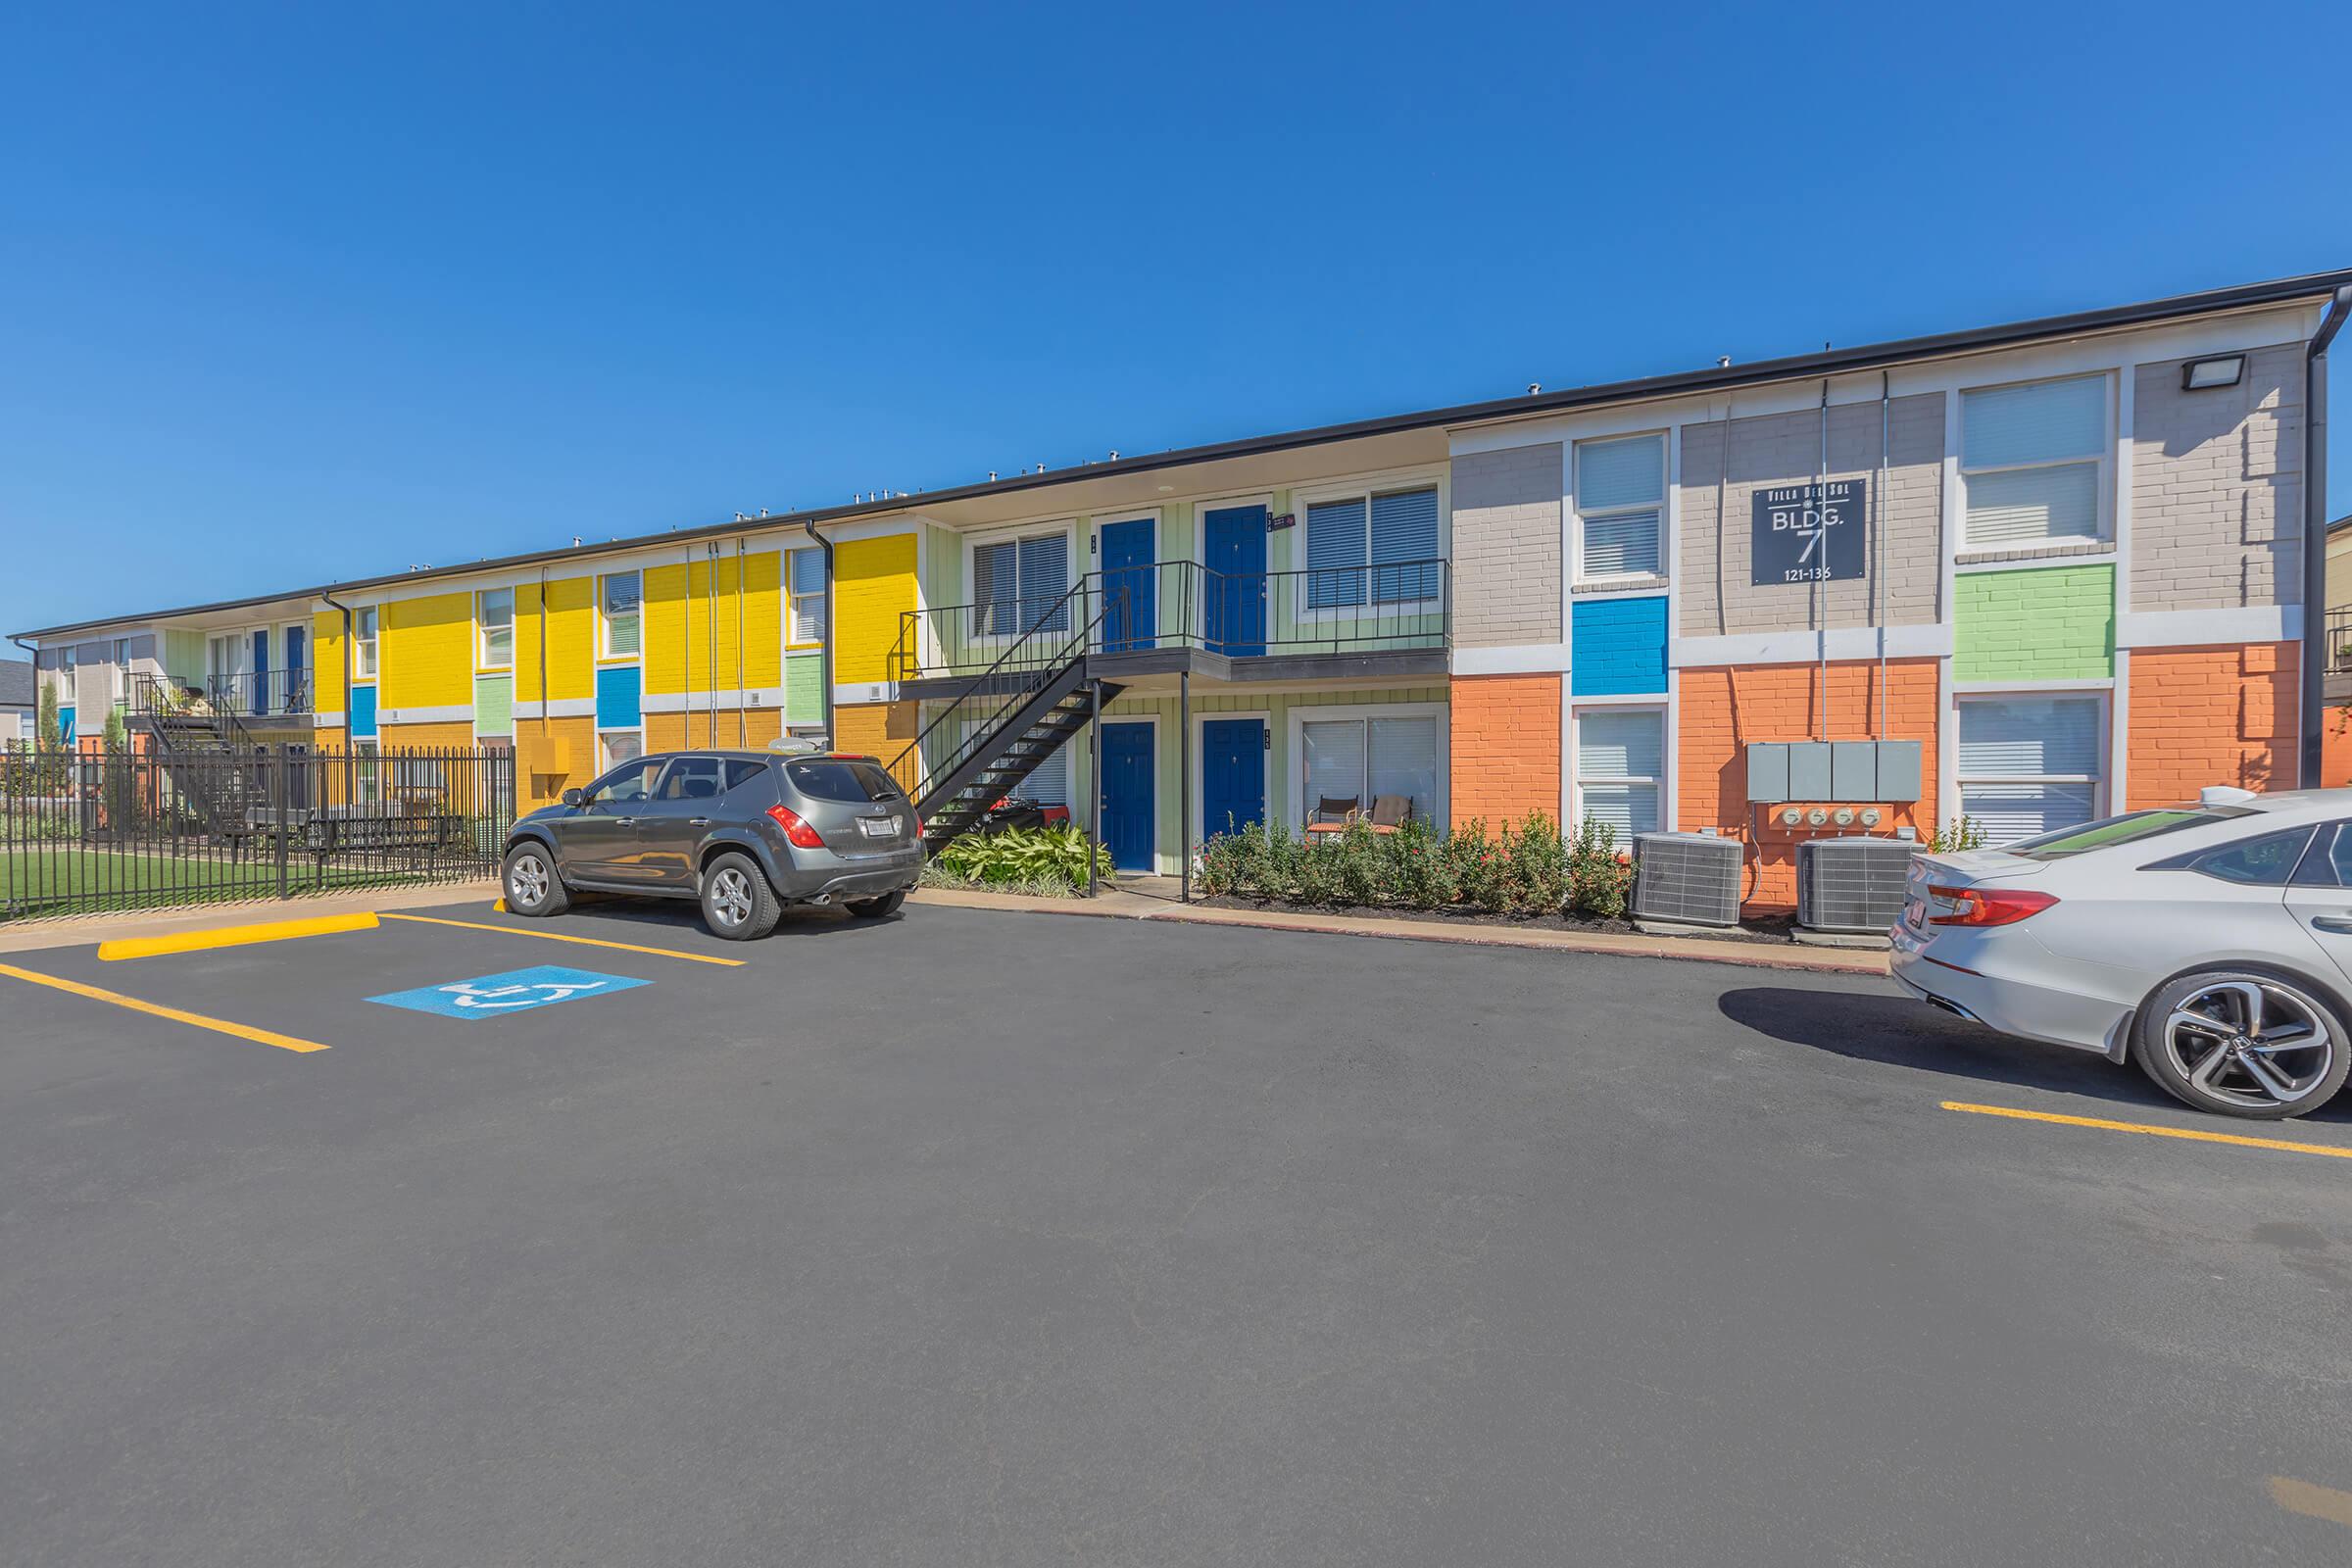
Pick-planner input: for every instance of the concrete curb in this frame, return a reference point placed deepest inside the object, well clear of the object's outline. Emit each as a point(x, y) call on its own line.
point(76, 931)
point(1130, 907)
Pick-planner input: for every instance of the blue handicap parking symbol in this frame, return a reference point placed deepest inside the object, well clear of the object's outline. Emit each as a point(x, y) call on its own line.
point(495, 996)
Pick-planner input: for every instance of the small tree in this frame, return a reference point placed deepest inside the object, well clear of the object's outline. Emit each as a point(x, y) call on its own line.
point(49, 745)
point(121, 775)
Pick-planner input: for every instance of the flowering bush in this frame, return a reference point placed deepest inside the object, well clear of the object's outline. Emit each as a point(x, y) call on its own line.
point(1521, 867)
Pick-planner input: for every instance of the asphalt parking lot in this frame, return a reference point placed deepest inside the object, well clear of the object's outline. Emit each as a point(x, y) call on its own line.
point(982, 1238)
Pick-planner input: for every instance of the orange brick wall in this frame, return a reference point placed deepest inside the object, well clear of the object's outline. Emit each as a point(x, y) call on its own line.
point(1505, 748)
point(2211, 715)
point(2336, 755)
point(681, 732)
point(1723, 709)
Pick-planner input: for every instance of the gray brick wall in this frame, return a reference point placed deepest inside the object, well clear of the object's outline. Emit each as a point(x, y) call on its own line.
point(1782, 449)
point(1506, 546)
point(2217, 487)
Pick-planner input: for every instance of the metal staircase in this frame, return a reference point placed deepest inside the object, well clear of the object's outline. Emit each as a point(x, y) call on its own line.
point(1033, 697)
point(213, 761)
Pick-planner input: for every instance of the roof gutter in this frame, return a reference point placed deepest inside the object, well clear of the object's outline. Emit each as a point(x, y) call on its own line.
point(825, 649)
point(2316, 652)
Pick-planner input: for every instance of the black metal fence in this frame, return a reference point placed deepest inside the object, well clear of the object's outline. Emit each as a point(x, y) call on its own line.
point(90, 831)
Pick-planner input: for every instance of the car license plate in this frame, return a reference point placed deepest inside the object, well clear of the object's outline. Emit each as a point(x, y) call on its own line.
point(1915, 914)
point(878, 827)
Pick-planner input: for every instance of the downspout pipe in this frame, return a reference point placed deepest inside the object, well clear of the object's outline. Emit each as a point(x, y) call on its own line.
point(824, 653)
point(2314, 704)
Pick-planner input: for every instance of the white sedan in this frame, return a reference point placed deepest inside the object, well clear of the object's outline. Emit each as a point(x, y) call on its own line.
point(2211, 943)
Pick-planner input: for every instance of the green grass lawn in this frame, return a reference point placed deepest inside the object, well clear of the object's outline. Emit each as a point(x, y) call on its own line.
point(80, 878)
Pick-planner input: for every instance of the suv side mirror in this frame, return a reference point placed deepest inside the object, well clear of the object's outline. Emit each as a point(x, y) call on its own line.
point(574, 798)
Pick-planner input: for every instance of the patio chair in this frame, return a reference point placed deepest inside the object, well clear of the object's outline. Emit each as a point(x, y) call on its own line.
point(1391, 812)
point(1332, 814)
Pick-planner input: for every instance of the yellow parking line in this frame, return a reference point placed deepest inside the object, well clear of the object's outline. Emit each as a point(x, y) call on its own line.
point(198, 1020)
point(232, 936)
point(2331, 1151)
point(2312, 1501)
point(557, 936)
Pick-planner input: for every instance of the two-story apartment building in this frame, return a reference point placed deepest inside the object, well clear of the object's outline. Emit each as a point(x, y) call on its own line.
point(2070, 563)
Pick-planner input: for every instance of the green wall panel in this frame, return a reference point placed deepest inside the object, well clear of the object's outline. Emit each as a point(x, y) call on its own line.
point(2035, 623)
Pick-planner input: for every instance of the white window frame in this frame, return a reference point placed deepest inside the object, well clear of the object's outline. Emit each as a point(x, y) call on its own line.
point(793, 596)
point(1663, 783)
point(1361, 489)
point(2102, 786)
point(604, 760)
point(1663, 505)
point(2105, 459)
point(365, 624)
point(1302, 714)
point(366, 771)
point(604, 622)
point(484, 660)
point(1014, 534)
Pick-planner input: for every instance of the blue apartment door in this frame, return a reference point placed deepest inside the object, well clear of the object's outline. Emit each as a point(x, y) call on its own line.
point(1233, 773)
point(1129, 612)
point(1129, 819)
point(261, 671)
point(298, 664)
point(1233, 545)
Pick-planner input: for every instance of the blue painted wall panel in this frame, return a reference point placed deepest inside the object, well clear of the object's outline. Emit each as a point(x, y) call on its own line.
point(617, 693)
point(1620, 648)
point(363, 712)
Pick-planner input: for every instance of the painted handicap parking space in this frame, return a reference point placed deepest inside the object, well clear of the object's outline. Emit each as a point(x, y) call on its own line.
point(495, 996)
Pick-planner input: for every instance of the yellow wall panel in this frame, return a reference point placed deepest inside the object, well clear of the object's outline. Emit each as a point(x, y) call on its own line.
point(665, 632)
point(569, 620)
point(457, 735)
point(426, 651)
point(874, 587)
point(764, 620)
point(326, 662)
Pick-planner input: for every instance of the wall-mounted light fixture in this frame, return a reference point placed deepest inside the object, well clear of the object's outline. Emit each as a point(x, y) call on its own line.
point(2204, 376)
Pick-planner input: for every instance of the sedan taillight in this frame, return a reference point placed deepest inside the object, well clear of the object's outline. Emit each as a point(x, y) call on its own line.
point(795, 827)
point(1982, 907)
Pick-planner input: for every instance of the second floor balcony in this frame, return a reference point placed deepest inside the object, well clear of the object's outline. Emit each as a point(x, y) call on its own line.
point(1326, 622)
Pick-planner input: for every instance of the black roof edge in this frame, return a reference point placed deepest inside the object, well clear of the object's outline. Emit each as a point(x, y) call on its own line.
point(1830, 362)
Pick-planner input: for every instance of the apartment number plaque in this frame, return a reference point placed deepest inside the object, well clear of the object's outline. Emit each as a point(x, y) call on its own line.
point(1801, 536)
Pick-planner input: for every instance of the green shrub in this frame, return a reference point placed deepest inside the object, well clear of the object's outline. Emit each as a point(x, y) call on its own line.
point(1521, 868)
point(1056, 854)
point(1599, 876)
point(1962, 833)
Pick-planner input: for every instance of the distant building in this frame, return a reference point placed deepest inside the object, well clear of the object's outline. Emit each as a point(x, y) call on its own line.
point(15, 699)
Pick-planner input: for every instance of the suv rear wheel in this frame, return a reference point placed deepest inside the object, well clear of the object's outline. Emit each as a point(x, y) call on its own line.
point(876, 909)
point(737, 902)
point(2242, 1043)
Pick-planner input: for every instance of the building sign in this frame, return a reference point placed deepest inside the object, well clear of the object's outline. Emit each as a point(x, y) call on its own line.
point(1800, 537)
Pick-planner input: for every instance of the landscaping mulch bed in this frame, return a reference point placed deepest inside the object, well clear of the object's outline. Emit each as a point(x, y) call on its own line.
point(1772, 928)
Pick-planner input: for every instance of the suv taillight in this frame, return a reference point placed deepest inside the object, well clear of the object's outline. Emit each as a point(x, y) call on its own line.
point(1982, 907)
point(795, 828)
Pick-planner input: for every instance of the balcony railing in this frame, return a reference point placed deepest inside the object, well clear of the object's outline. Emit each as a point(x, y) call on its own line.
point(1184, 605)
point(2339, 642)
point(255, 694)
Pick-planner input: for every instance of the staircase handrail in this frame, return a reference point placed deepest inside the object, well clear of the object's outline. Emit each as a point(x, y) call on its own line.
point(1046, 672)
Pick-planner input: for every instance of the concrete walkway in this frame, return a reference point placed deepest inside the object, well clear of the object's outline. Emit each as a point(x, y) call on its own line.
point(1119, 904)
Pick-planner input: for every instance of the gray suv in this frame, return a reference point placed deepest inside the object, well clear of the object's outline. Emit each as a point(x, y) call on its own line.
point(745, 832)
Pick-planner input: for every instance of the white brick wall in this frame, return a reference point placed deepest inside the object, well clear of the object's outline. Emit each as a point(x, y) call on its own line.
point(1506, 546)
point(2217, 487)
point(1783, 449)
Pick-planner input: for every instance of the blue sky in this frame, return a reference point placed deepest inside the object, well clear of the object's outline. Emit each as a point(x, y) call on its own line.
point(316, 292)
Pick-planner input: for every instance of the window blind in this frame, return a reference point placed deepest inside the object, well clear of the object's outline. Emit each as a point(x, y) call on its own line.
point(1404, 762)
point(1335, 762)
point(1625, 545)
point(1335, 553)
point(2048, 421)
point(1404, 529)
point(2024, 506)
point(807, 596)
point(1625, 473)
point(1616, 745)
point(2030, 737)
